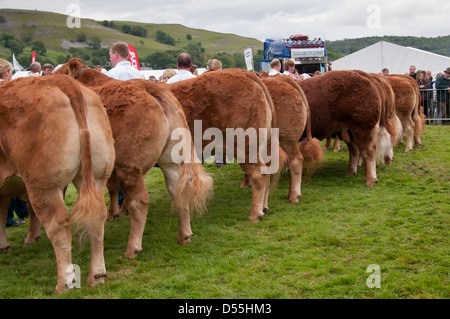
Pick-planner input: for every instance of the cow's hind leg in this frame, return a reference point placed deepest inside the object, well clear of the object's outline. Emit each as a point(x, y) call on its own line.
point(95, 230)
point(259, 184)
point(34, 231)
point(353, 158)
point(370, 167)
point(337, 144)
point(368, 152)
point(295, 165)
point(138, 200)
point(97, 271)
point(113, 190)
point(245, 181)
point(4, 204)
point(409, 130)
point(50, 209)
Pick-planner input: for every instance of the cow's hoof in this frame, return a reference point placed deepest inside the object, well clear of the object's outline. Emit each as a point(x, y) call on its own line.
point(132, 254)
point(294, 199)
point(6, 249)
point(31, 239)
point(111, 218)
point(184, 239)
point(256, 219)
point(97, 279)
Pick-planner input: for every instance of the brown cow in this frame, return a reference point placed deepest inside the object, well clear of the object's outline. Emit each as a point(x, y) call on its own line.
point(388, 116)
point(142, 125)
point(407, 104)
point(55, 131)
point(235, 101)
point(348, 103)
point(293, 119)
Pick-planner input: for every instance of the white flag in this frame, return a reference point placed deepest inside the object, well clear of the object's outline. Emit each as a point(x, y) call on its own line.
point(249, 59)
point(17, 66)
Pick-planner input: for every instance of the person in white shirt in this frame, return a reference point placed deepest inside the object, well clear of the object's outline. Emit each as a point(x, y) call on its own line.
point(275, 67)
point(289, 67)
point(305, 76)
point(35, 69)
point(122, 69)
point(184, 64)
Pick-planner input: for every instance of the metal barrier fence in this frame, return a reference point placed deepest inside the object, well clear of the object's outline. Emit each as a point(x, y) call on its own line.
point(436, 106)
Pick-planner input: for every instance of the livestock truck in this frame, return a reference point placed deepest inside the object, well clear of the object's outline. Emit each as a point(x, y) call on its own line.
point(309, 55)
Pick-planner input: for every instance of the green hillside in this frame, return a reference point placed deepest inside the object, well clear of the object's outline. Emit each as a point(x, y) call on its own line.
point(29, 26)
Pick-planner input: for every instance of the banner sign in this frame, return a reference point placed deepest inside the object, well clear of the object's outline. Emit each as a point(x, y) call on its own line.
point(249, 59)
point(17, 66)
point(134, 57)
point(33, 57)
point(303, 53)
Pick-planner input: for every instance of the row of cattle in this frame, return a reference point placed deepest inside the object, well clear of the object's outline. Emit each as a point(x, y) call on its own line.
point(82, 127)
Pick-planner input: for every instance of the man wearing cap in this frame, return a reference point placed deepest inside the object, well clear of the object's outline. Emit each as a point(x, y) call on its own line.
point(443, 94)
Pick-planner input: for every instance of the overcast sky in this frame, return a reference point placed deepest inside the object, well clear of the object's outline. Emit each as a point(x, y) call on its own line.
point(260, 19)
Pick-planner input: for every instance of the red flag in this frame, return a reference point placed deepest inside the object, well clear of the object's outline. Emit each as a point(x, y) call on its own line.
point(33, 57)
point(134, 57)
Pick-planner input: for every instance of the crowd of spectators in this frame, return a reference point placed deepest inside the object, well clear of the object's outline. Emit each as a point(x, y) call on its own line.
point(434, 93)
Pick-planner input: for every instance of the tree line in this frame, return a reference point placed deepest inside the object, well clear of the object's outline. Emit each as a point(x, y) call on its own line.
point(340, 48)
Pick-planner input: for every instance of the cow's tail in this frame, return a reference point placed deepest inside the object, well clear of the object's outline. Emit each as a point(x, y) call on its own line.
point(417, 116)
point(395, 123)
point(310, 147)
point(383, 135)
point(89, 209)
point(194, 188)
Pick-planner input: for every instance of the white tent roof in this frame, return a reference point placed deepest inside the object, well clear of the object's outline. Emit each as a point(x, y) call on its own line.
point(395, 57)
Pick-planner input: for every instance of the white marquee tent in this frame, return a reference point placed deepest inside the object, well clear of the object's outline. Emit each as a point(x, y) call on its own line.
point(395, 57)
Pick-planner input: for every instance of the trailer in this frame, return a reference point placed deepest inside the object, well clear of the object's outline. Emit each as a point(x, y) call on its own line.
point(309, 55)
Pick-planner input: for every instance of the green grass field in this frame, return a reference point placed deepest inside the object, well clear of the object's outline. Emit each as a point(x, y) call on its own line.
point(319, 248)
